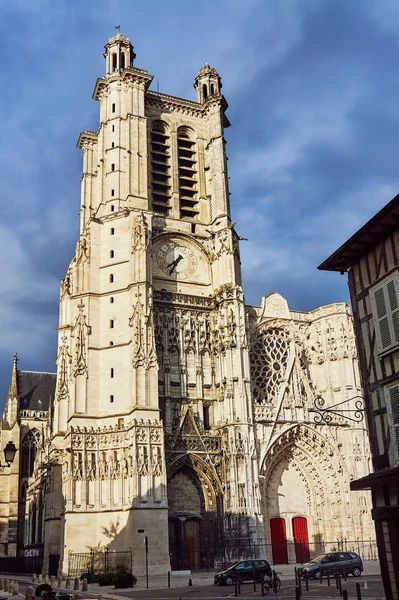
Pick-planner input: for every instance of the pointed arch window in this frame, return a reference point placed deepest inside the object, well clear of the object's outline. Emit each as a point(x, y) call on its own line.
point(30, 446)
point(188, 178)
point(160, 167)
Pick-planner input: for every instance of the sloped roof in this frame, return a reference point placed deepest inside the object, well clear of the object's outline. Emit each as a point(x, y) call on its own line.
point(368, 236)
point(35, 389)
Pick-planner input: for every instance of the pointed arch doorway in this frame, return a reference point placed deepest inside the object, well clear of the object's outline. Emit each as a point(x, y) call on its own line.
point(186, 505)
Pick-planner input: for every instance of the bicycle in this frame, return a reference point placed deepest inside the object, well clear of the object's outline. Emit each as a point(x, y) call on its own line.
point(271, 583)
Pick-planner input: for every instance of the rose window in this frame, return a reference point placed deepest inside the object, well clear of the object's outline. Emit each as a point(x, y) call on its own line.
point(269, 355)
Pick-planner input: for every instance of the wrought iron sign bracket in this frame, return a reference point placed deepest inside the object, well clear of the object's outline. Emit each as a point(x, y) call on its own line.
point(326, 414)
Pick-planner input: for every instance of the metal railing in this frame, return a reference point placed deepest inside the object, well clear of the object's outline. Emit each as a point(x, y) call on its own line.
point(99, 562)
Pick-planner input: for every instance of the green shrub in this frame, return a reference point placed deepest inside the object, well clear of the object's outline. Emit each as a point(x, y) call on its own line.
point(107, 578)
point(90, 576)
point(125, 580)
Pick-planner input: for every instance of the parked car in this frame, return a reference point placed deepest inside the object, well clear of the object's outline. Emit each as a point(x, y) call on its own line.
point(244, 570)
point(345, 563)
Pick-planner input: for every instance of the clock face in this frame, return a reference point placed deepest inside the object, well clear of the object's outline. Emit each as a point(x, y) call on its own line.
point(176, 260)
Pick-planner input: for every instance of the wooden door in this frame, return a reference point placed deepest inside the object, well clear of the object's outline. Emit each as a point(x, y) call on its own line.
point(301, 539)
point(279, 541)
point(174, 546)
point(192, 539)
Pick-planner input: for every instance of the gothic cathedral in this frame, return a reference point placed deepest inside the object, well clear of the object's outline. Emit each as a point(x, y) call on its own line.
point(178, 413)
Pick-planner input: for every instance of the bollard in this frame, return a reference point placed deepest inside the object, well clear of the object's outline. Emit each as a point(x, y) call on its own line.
point(358, 592)
point(235, 587)
point(345, 573)
point(339, 585)
point(336, 581)
point(262, 587)
point(1, 584)
point(297, 593)
point(59, 581)
point(34, 578)
point(6, 585)
point(16, 588)
point(307, 582)
point(168, 579)
point(344, 595)
point(253, 576)
point(68, 583)
point(52, 580)
point(40, 580)
point(11, 587)
point(300, 584)
point(46, 579)
point(321, 577)
point(366, 587)
point(328, 579)
point(84, 585)
point(76, 584)
point(29, 593)
point(239, 585)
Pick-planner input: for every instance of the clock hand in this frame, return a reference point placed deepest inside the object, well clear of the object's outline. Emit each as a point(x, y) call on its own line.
point(174, 264)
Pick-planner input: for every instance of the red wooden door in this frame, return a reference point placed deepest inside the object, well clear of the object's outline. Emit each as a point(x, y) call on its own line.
point(192, 534)
point(301, 539)
point(279, 541)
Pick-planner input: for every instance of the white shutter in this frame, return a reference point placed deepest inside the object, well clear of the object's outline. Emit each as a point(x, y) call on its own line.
point(385, 308)
point(394, 401)
point(381, 321)
point(392, 288)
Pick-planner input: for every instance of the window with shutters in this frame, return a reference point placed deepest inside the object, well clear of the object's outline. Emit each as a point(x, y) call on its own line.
point(392, 397)
point(385, 309)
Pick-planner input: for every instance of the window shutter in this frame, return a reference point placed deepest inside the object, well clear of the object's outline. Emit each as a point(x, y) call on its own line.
point(382, 321)
point(394, 306)
point(394, 400)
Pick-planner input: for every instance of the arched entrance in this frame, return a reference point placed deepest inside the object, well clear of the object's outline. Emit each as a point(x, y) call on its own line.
point(301, 539)
point(186, 505)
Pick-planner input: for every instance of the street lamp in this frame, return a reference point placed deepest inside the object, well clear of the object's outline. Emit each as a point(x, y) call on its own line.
point(9, 454)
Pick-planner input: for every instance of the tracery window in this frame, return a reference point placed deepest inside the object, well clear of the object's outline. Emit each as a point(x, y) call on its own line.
point(30, 445)
point(269, 356)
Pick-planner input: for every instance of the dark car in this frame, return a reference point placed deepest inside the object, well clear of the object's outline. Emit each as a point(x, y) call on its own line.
point(244, 570)
point(345, 563)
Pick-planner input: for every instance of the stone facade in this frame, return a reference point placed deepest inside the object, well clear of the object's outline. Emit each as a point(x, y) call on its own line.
point(179, 413)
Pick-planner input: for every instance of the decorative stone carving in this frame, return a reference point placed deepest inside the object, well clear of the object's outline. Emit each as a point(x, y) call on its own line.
point(80, 333)
point(63, 362)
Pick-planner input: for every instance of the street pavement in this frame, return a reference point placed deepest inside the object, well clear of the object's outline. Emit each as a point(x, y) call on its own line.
point(202, 587)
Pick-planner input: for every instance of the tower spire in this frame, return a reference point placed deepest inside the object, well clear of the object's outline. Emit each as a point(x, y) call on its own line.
point(13, 389)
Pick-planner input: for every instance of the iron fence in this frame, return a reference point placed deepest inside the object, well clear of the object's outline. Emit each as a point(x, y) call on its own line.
point(21, 564)
point(99, 562)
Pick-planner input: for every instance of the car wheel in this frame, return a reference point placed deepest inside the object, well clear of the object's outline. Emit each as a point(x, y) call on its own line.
point(356, 572)
point(317, 574)
point(229, 580)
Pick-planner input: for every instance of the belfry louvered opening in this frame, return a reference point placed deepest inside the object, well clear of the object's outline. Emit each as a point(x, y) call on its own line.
point(188, 179)
point(160, 168)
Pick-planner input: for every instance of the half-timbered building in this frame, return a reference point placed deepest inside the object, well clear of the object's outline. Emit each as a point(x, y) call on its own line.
point(371, 259)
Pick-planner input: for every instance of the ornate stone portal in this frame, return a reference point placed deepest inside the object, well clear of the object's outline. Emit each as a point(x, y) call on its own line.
point(179, 414)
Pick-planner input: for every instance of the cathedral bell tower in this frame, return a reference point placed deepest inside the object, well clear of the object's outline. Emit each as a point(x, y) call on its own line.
point(153, 420)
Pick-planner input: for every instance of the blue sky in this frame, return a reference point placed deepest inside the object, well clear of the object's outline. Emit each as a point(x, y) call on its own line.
point(313, 89)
